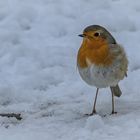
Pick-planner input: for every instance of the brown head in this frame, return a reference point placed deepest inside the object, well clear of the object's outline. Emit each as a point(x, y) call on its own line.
point(95, 46)
point(97, 36)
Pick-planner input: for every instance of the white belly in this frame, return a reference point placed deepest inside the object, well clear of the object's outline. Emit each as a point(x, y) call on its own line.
point(101, 77)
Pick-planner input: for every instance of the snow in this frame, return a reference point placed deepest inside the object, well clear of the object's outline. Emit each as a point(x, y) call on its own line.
point(39, 78)
point(94, 122)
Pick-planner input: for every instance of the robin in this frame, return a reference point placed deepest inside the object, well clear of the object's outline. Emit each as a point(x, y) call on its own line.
point(101, 61)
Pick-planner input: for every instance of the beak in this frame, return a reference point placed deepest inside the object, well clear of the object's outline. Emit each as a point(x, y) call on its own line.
point(81, 35)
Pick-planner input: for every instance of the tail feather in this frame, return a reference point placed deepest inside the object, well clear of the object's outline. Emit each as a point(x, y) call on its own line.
point(116, 91)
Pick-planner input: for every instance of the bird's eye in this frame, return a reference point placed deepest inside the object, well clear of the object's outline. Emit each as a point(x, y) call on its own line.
point(96, 34)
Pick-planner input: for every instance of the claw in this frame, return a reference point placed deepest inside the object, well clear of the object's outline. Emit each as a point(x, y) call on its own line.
point(113, 112)
point(91, 114)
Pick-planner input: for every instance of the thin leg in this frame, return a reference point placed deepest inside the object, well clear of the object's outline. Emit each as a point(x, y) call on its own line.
point(94, 106)
point(113, 110)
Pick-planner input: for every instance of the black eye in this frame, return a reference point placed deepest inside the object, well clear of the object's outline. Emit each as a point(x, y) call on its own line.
point(96, 34)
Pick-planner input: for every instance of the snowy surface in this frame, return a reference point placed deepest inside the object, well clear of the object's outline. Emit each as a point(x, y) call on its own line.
point(38, 75)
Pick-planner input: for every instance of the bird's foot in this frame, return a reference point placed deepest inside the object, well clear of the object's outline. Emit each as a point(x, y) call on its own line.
point(92, 113)
point(113, 113)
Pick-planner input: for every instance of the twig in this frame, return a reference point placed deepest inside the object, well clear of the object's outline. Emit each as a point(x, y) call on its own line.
point(17, 116)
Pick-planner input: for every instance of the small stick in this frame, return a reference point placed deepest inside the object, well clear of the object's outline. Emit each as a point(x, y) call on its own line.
point(17, 116)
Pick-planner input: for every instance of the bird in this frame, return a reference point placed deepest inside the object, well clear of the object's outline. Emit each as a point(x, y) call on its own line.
point(101, 62)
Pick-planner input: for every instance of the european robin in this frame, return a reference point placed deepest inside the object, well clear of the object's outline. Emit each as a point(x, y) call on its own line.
point(101, 61)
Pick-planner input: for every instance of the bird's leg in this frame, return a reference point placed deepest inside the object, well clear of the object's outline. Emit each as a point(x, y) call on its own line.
point(113, 110)
point(94, 106)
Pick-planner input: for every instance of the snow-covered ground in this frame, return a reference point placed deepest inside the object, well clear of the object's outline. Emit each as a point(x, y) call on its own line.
point(38, 75)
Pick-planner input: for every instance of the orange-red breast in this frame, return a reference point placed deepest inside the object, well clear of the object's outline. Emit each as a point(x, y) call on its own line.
point(101, 61)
